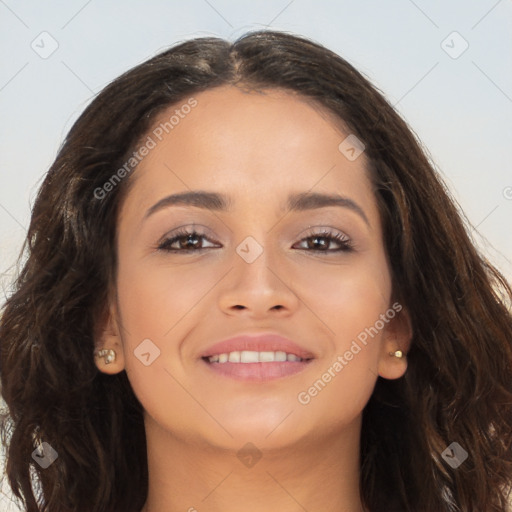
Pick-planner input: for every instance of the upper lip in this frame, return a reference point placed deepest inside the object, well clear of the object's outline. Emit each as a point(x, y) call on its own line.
point(263, 342)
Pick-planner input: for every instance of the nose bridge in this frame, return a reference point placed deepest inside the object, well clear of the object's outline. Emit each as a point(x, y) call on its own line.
point(257, 233)
point(254, 261)
point(256, 281)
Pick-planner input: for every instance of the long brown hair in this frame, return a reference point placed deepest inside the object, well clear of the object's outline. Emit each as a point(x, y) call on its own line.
point(458, 386)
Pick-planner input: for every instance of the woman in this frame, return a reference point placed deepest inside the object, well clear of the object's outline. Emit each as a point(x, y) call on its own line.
point(247, 289)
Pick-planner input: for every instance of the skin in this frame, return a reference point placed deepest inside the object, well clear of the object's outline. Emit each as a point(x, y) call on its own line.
point(252, 146)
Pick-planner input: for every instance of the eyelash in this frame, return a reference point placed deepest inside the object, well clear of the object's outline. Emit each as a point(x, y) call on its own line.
point(342, 240)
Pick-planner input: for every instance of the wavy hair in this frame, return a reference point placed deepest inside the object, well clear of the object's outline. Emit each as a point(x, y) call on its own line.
point(458, 385)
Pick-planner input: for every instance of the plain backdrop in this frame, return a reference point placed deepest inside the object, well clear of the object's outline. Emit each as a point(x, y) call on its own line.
point(446, 66)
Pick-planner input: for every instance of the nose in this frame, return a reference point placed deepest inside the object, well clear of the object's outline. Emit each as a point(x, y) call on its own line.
point(253, 289)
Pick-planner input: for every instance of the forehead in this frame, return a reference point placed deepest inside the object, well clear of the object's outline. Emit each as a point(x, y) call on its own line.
point(249, 144)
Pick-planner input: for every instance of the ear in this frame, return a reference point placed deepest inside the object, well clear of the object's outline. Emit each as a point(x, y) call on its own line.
point(108, 340)
point(397, 335)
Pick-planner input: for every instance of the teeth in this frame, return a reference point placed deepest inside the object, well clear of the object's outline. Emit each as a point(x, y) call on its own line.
point(264, 357)
point(234, 357)
point(251, 356)
point(248, 356)
point(280, 356)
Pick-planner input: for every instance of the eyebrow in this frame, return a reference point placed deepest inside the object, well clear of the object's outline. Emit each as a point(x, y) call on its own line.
point(219, 202)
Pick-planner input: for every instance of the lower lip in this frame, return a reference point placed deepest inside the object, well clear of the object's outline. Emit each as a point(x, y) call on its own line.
point(258, 372)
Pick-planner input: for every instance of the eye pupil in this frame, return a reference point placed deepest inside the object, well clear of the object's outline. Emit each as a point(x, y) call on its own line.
point(191, 237)
point(315, 240)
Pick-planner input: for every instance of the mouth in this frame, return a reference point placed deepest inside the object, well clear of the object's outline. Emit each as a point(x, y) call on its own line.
point(255, 366)
point(260, 357)
point(253, 356)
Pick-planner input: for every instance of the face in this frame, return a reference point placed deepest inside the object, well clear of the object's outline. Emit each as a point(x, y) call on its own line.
point(256, 256)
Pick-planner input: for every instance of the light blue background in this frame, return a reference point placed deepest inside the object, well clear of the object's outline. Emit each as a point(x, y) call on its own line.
point(460, 108)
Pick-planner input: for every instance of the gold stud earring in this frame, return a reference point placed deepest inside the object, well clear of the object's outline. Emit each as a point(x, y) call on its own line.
point(397, 353)
point(109, 355)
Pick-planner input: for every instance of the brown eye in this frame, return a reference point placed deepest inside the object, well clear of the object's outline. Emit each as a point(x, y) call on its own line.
point(188, 241)
point(320, 242)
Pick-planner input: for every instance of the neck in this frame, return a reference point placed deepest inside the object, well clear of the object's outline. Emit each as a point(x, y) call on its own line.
point(314, 474)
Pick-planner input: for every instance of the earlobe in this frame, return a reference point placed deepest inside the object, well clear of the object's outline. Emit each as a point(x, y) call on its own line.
point(395, 346)
point(108, 353)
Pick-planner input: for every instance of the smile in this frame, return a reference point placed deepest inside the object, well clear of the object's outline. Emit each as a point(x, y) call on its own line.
point(252, 366)
point(251, 356)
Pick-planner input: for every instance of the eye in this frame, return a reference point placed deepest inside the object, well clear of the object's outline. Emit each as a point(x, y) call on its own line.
point(323, 240)
point(186, 241)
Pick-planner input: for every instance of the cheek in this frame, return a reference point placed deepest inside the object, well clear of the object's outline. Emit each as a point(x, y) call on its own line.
point(153, 298)
point(350, 302)
point(161, 304)
point(347, 299)
point(153, 367)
